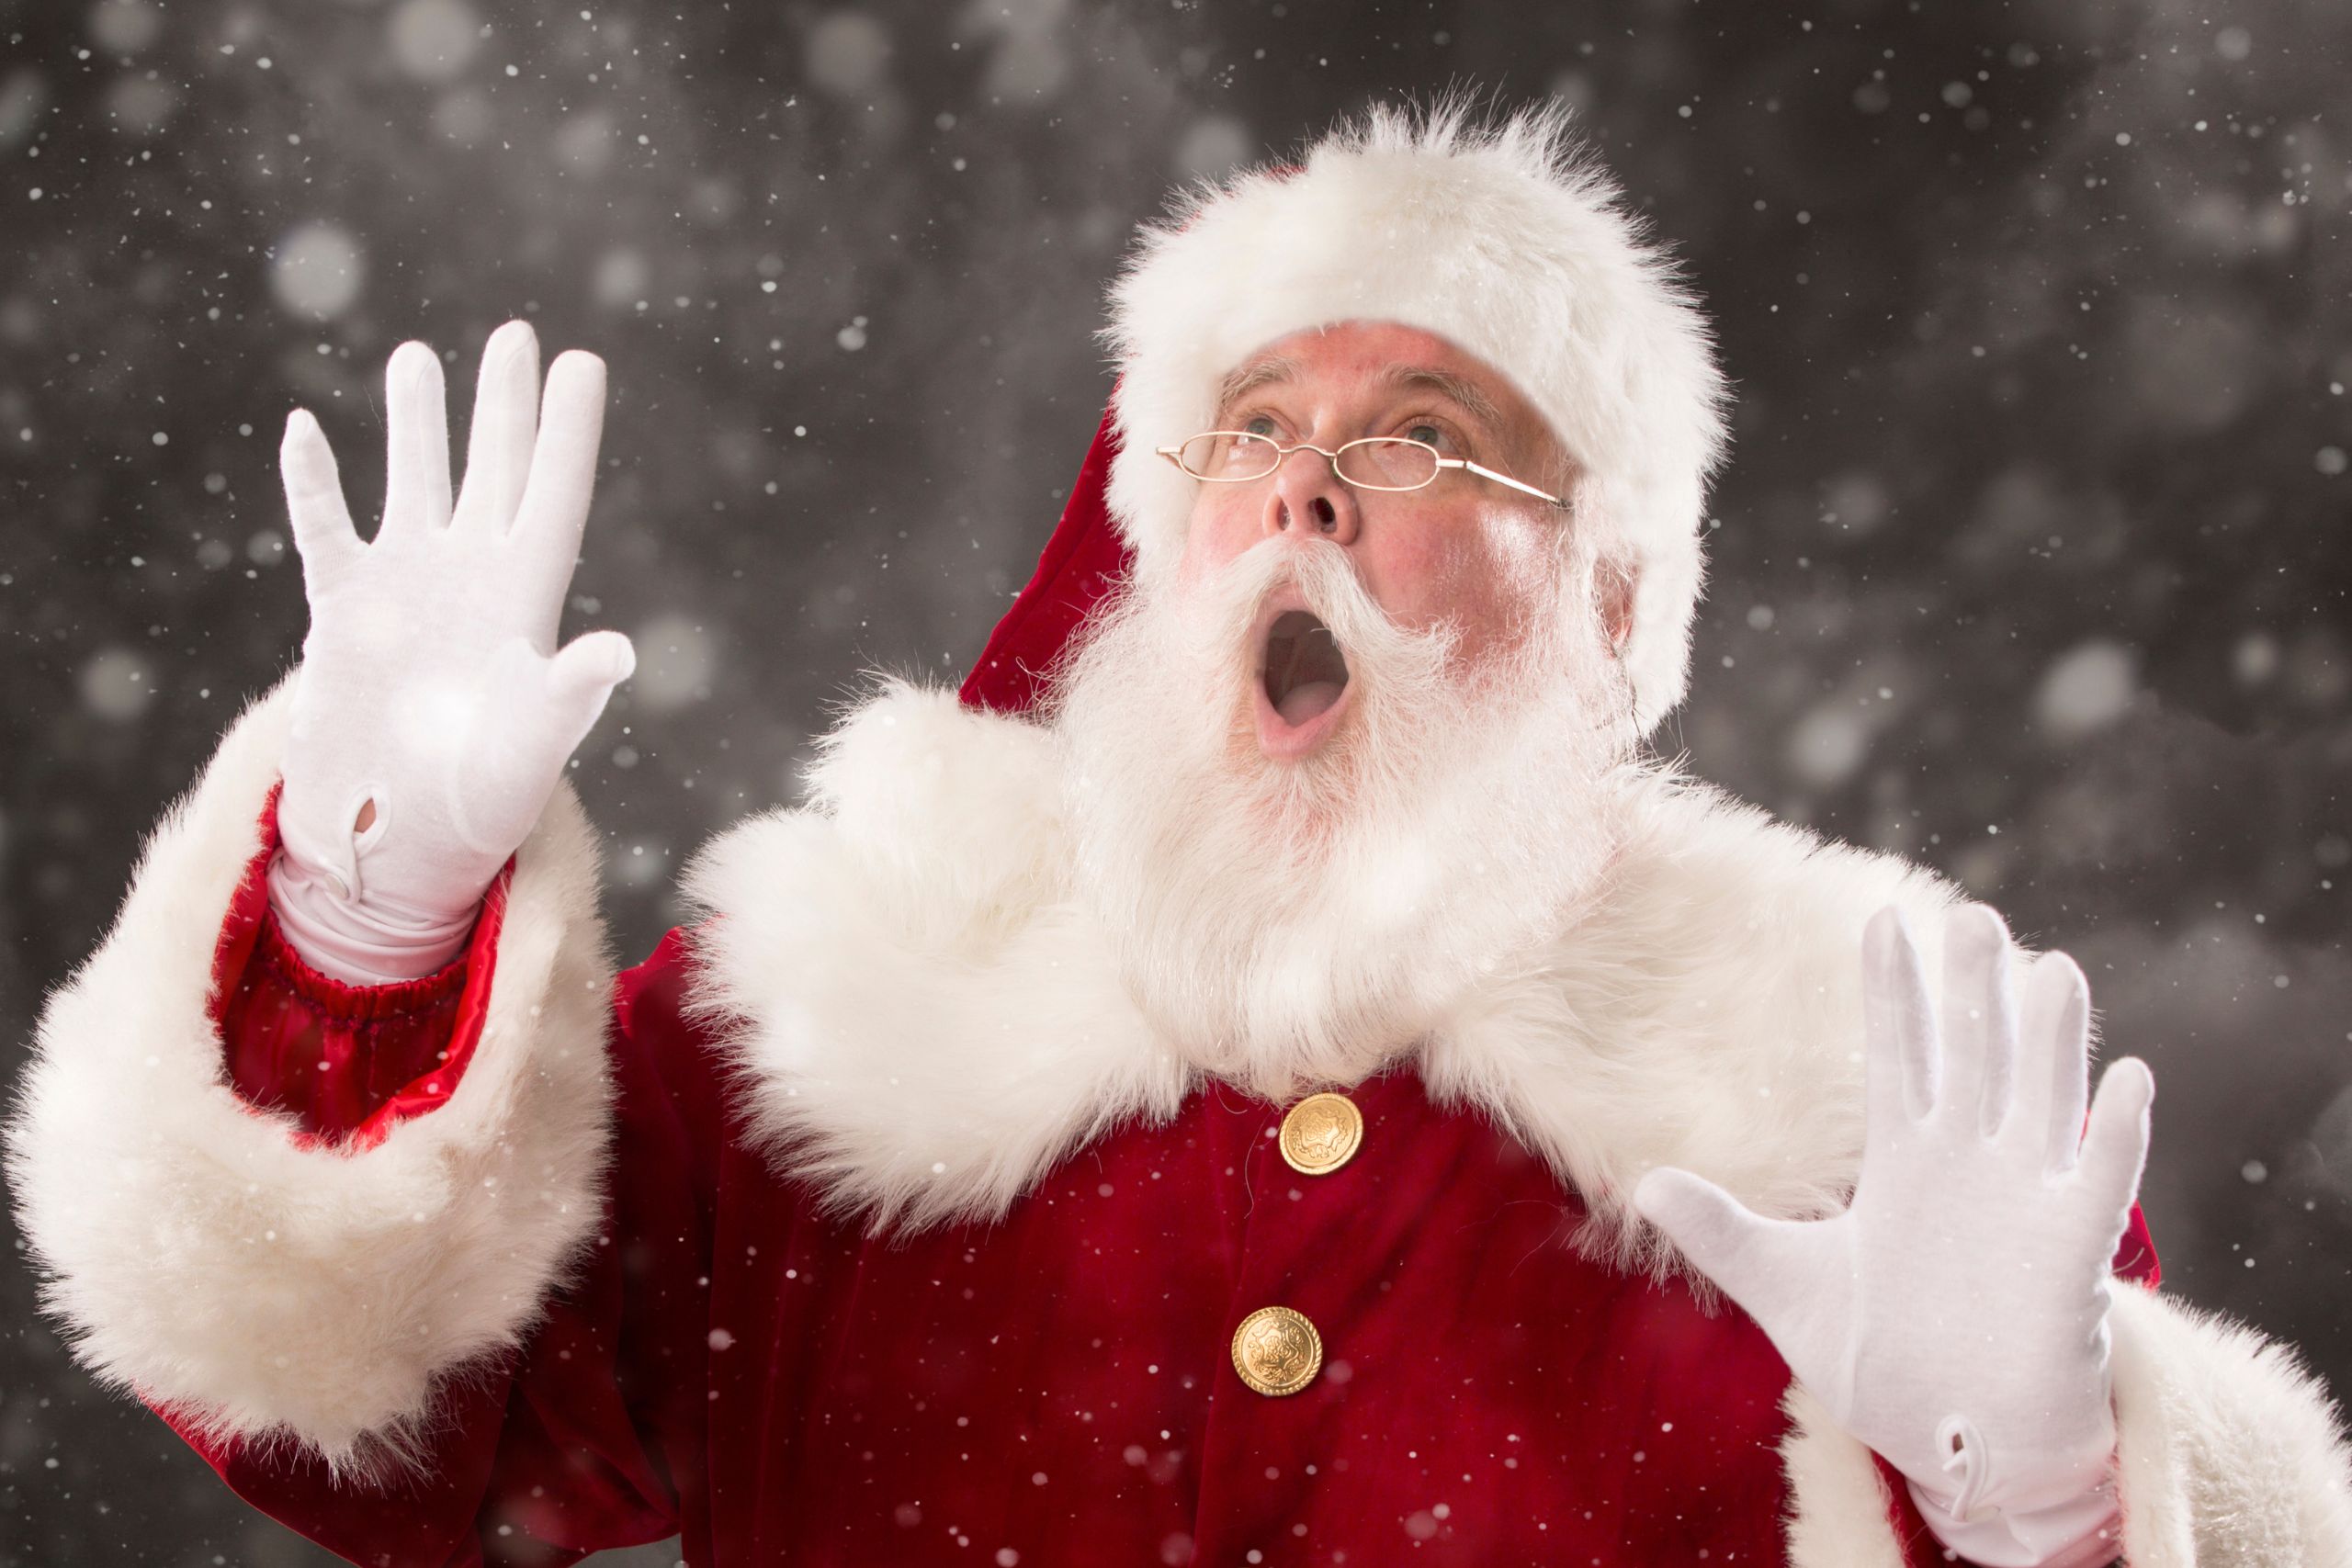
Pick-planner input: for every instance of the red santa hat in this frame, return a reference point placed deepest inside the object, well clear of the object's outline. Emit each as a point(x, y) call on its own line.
point(1506, 239)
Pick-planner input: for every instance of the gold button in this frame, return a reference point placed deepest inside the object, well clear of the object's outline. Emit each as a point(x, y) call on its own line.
point(1277, 1351)
point(1322, 1133)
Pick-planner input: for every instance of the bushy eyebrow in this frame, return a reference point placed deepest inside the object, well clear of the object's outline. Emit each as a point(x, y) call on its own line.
point(1246, 379)
point(1467, 394)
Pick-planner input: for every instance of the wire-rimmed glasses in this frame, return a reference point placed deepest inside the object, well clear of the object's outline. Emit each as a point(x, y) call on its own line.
point(1375, 462)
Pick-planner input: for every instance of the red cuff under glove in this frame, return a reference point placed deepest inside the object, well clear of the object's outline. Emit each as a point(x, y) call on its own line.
point(348, 1061)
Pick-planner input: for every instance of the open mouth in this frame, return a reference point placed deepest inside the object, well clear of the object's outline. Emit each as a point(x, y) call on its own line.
point(1306, 672)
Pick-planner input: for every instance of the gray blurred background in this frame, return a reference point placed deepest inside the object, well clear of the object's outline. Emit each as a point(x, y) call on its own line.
point(2031, 562)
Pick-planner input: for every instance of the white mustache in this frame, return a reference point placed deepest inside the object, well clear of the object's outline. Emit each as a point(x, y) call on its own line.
point(1217, 623)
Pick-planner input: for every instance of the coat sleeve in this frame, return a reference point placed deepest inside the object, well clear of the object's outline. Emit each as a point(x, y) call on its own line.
point(588, 1436)
point(357, 1242)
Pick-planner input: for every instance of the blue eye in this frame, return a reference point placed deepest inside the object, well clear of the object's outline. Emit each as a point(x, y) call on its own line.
point(1424, 432)
point(1259, 424)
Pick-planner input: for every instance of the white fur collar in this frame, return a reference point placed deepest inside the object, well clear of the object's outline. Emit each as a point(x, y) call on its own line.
point(930, 1022)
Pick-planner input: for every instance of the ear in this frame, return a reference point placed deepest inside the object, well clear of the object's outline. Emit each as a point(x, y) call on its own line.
point(1613, 588)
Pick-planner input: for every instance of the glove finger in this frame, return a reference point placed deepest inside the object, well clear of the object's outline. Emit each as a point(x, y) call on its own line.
point(563, 478)
point(324, 534)
point(2054, 1061)
point(507, 423)
point(1898, 1032)
point(1979, 1017)
point(580, 681)
point(416, 475)
point(2115, 1150)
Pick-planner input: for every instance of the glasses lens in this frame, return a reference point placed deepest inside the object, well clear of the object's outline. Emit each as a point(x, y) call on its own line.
point(1229, 455)
point(1388, 463)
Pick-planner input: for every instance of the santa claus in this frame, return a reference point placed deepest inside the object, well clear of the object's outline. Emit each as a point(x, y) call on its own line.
point(1272, 1072)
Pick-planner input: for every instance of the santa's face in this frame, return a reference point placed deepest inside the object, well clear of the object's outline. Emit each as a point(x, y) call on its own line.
point(1297, 886)
point(1465, 553)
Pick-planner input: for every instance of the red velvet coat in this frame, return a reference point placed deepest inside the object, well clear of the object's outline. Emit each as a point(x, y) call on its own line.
point(1057, 1387)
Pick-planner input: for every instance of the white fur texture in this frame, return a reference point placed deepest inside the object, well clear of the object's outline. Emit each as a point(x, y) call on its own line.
point(1839, 1503)
point(1512, 243)
point(928, 1018)
point(923, 1022)
point(2231, 1452)
point(195, 1254)
point(1703, 1011)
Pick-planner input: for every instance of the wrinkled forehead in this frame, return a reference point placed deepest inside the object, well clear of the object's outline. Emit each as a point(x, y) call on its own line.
point(1380, 383)
point(1380, 362)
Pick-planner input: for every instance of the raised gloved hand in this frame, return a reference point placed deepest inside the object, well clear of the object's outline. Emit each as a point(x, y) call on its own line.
point(1954, 1317)
point(431, 700)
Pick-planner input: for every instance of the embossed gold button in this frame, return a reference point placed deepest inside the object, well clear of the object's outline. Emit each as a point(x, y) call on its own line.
point(1277, 1351)
point(1322, 1133)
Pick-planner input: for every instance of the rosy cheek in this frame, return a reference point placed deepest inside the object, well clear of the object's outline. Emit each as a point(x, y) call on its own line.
point(1524, 582)
point(1440, 574)
point(1476, 576)
point(1209, 540)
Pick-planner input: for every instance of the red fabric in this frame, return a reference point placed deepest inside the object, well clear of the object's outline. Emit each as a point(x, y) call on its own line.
point(780, 1388)
point(783, 1389)
point(575, 1446)
point(348, 1061)
point(1082, 563)
point(830, 1399)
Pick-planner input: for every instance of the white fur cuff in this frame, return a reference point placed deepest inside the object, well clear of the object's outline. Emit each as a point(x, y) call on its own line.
point(2230, 1448)
point(195, 1253)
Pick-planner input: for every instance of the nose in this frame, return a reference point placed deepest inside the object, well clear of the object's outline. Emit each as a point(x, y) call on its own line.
point(1307, 498)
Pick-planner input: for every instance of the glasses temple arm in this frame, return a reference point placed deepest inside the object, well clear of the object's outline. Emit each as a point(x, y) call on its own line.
point(1485, 473)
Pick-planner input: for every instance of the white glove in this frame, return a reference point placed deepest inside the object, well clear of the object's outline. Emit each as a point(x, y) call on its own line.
point(431, 685)
point(1954, 1317)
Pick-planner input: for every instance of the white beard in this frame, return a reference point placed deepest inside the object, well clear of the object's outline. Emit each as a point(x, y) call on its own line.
point(1290, 924)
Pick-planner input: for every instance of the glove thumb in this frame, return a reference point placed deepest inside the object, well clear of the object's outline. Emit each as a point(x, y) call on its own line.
point(1720, 1236)
point(580, 679)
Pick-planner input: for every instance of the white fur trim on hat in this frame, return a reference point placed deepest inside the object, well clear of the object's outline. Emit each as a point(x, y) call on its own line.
point(1508, 241)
